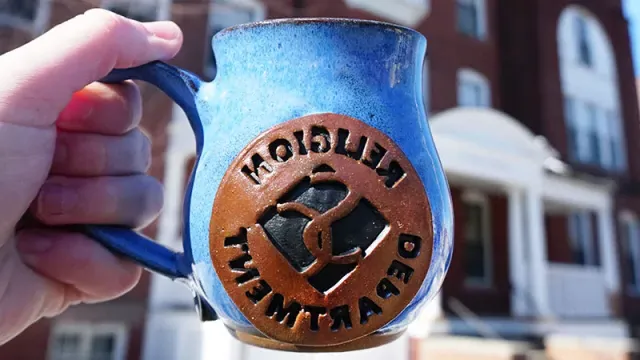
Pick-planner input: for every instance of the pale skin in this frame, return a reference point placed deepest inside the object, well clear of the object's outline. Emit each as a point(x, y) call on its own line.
point(71, 153)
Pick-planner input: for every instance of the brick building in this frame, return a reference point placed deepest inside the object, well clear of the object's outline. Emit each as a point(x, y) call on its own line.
point(534, 110)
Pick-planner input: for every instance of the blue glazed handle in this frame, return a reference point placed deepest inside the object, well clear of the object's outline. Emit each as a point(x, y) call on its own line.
point(182, 87)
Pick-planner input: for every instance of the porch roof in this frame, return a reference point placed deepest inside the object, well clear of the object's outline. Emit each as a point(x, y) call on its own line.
point(488, 145)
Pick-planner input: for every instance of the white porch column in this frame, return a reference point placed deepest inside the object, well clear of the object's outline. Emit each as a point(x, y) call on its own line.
point(538, 286)
point(608, 246)
point(517, 259)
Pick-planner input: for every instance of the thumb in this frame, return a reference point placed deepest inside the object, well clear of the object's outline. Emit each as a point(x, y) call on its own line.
point(39, 78)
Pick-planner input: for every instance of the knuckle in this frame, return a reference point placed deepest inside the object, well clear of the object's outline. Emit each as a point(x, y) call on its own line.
point(109, 29)
point(135, 152)
point(128, 276)
point(92, 155)
point(139, 200)
point(151, 198)
point(87, 155)
point(133, 98)
point(56, 202)
point(111, 194)
point(109, 22)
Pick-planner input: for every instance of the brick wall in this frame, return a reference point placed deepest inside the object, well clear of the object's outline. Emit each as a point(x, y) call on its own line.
point(494, 300)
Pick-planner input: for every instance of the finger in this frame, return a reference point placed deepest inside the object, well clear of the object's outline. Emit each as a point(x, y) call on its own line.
point(74, 54)
point(104, 109)
point(79, 154)
point(132, 201)
point(79, 262)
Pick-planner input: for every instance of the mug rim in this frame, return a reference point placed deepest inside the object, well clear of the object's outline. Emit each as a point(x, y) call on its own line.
point(317, 20)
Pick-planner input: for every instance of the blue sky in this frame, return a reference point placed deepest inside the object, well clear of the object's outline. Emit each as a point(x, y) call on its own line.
point(632, 10)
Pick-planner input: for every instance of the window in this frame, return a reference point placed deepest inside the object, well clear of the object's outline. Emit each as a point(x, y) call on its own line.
point(477, 262)
point(589, 80)
point(594, 135)
point(572, 128)
point(30, 15)
point(88, 342)
point(581, 239)
point(470, 15)
point(473, 89)
point(140, 10)
point(585, 55)
point(594, 149)
point(616, 141)
point(226, 13)
point(22, 9)
point(630, 243)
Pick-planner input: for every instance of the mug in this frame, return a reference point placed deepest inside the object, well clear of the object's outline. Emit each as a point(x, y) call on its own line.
point(318, 215)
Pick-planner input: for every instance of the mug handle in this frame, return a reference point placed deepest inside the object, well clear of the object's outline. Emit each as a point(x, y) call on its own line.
point(182, 86)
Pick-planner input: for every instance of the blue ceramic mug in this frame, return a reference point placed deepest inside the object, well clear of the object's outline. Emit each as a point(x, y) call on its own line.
point(318, 216)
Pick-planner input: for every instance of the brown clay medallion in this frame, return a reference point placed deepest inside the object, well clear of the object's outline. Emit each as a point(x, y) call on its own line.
point(321, 231)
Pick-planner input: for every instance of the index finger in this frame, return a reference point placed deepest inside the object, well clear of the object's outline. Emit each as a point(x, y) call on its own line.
point(108, 109)
point(39, 78)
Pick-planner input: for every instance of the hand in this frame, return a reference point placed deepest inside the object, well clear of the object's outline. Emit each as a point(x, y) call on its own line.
point(71, 153)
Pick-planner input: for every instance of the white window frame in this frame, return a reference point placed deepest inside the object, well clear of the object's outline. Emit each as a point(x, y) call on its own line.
point(584, 19)
point(593, 121)
point(163, 10)
point(607, 125)
point(571, 123)
point(582, 219)
point(404, 12)
point(471, 77)
point(35, 27)
point(477, 198)
point(632, 245)
point(86, 332)
point(255, 6)
point(481, 24)
point(613, 126)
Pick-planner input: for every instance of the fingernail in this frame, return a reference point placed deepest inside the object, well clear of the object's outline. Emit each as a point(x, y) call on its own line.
point(56, 199)
point(166, 30)
point(34, 244)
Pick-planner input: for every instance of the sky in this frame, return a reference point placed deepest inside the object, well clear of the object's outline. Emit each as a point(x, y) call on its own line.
point(632, 10)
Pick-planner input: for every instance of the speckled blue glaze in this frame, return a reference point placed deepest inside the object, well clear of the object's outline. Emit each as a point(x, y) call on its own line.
point(275, 71)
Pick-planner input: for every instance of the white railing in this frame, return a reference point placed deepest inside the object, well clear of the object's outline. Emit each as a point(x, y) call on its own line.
point(578, 291)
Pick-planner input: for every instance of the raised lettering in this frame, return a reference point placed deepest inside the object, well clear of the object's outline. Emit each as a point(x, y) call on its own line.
point(409, 246)
point(367, 308)
point(250, 274)
point(393, 174)
point(254, 174)
point(300, 137)
point(400, 270)
point(320, 139)
point(375, 156)
point(239, 239)
point(280, 150)
point(259, 292)
point(238, 264)
point(277, 308)
point(340, 315)
point(315, 312)
point(386, 288)
point(341, 147)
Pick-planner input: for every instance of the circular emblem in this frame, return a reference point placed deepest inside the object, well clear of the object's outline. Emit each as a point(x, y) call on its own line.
point(321, 231)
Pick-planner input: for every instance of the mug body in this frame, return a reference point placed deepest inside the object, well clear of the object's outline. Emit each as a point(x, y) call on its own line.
point(319, 215)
